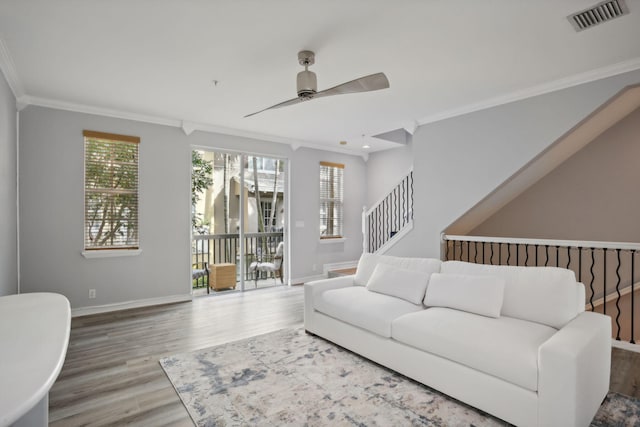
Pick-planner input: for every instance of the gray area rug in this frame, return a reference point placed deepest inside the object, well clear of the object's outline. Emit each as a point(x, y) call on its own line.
point(291, 378)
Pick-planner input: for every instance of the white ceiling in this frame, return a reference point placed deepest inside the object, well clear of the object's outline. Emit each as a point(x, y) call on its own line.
point(159, 58)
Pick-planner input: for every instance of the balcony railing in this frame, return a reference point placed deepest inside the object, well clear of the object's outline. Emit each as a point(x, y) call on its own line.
point(225, 248)
point(607, 269)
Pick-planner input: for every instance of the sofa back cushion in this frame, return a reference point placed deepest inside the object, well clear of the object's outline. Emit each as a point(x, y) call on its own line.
point(368, 263)
point(409, 285)
point(481, 295)
point(546, 295)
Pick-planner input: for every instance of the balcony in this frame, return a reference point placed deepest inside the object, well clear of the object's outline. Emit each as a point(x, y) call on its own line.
point(212, 249)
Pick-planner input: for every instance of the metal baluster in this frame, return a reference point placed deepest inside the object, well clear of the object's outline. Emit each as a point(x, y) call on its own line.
point(508, 253)
point(491, 257)
point(468, 252)
point(387, 234)
point(377, 227)
point(454, 249)
point(499, 253)
point(619, 296)
point(411, 180)
point(446, 256)
point(368, 225)
point(579, 264)
point(546, 254)
point(568, 257)
point(526, 257)
point(618, 292)
point(604, 284)
point(557, 256)
point(208, 261)
point(633, 304)
point(405, 189)
point(475, 252)
point(593, 260)
point(397, 190)
point(382, 222)
point(536, 255)
point(483, 252)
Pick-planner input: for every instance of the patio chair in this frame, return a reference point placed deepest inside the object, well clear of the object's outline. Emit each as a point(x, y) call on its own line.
point(275, 267)
point(198, 270)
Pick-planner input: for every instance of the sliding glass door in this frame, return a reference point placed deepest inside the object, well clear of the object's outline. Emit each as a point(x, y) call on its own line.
point(238, 221)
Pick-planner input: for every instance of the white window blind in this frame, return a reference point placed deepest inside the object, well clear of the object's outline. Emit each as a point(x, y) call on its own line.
point(110, 191)
point(331, 193)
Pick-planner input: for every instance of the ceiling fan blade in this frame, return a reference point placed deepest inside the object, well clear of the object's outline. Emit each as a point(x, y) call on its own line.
point(363, 84)
point(280, 105)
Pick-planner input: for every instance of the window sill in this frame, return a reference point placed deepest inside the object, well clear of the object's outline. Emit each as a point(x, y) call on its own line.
point(111, 253)
point(336, 240)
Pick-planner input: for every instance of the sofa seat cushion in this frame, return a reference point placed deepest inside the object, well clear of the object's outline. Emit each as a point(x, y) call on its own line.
point(503, 347)
point(360, 307)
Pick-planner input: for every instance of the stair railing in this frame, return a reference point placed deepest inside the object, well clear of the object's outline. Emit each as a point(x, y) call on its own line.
point(389, 218)
point(607, 269)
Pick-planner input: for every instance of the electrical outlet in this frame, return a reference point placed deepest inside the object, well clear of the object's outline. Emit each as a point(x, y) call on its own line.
point(92, 293)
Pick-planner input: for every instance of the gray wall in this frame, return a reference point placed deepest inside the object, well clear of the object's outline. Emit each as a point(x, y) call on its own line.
point(51, 208)
point(305, 206)
point(459, 161)
point(593, 195)
point(384, 170)
point(8, 196)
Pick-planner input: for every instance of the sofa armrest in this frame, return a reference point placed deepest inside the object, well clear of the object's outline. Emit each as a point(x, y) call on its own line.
point(313, 289)
point(573, 371)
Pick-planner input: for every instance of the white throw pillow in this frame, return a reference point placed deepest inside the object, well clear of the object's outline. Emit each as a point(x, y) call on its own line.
point(368, 263)
point(399, 282)
point(544, 295)
point(475, 294)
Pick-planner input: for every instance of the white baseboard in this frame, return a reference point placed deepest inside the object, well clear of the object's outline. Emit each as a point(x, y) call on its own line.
point(308, 279)
point(339, 266)
point(96, 309)
point(625, 345)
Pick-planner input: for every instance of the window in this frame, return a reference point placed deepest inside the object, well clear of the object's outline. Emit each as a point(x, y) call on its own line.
point(331, 190)
point(266, 215)
point(110, 191)
point(263, 164)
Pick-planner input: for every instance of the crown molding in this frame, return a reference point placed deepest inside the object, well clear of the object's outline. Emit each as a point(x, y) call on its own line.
point(187, 127)
point(411, 127)
point(98, 111)
point(8, 68)
point(553, 86)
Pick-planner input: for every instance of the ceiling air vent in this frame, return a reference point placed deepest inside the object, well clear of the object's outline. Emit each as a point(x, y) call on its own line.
point(602, 12)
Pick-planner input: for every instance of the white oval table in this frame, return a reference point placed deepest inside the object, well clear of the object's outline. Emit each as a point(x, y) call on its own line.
point(34, 334)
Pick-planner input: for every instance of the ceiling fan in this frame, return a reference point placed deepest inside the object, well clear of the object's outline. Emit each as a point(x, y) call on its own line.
point(308, 84)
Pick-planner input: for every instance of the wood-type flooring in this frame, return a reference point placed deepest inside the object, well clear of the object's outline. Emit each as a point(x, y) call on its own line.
point(111, 375)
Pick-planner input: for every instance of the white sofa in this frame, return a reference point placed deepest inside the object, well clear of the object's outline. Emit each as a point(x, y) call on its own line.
point(512, 341)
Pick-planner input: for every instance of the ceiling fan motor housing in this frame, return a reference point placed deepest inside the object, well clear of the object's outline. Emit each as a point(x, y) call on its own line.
point(307, 84)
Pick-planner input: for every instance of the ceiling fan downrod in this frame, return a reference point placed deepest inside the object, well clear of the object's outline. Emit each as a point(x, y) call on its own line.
point(307, 82)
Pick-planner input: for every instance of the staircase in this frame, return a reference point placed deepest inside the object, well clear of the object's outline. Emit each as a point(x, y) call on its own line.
point(384, 224)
